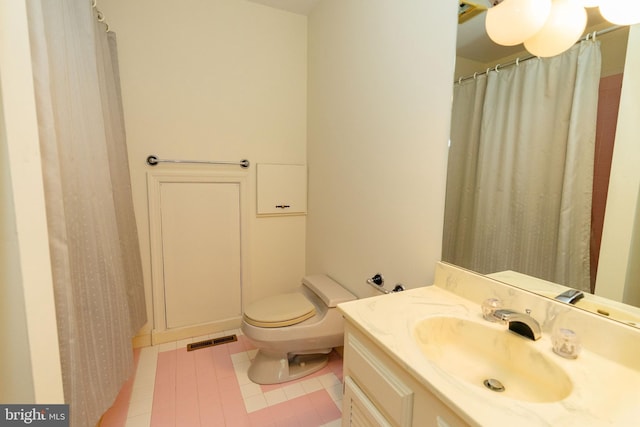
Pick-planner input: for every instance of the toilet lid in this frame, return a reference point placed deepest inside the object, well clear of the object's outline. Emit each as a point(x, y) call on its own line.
point(279, 310)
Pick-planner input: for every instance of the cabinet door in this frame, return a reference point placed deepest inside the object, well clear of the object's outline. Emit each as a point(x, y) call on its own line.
point(282, 189)
point(200, 252)
point(358, 410)
point(379, 389)
point(379, 381)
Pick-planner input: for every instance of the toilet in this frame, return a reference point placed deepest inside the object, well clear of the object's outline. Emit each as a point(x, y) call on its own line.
point(295, 332)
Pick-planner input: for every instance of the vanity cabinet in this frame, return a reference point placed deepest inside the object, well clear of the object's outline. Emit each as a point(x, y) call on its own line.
point(380, 392)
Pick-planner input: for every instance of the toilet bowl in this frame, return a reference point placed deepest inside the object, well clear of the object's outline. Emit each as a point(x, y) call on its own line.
point(295, 332)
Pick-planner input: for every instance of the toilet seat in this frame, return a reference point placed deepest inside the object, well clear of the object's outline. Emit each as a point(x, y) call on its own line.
point(279, 311)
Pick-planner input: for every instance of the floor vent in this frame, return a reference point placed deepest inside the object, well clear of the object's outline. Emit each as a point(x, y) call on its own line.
point(210, 343)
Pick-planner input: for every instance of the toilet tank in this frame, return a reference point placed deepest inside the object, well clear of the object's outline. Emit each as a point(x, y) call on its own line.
point(330, 291)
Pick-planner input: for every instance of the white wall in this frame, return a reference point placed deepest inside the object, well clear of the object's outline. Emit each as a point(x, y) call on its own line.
point(380, 91)
point(466, 67)
point(15, 369)
point(216, 80)
point(30, 368)
point(613, 48)
point(618, 274)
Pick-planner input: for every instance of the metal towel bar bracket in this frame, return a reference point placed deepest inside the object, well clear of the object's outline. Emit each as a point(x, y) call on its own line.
point(154, 160)
point(377, 282)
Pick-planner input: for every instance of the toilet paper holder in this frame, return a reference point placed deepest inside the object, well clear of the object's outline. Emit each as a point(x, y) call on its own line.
point(377, 281)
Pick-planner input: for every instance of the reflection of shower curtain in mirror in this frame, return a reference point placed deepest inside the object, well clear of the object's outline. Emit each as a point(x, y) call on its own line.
point(520, 172)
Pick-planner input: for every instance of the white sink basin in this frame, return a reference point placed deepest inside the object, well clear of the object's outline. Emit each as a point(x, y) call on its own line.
point(475, 352)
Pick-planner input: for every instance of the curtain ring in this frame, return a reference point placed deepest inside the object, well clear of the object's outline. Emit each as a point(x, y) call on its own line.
point(475, 75)
point(459, 80)
point(94, 3)
point(487, 72)
point(593, 37)
point(107, 29)
point(497, 65)
point(100, 16)
point(517, 61)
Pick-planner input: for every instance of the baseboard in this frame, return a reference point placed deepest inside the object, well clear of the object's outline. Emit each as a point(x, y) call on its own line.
point(176, 334)
point(142, 340)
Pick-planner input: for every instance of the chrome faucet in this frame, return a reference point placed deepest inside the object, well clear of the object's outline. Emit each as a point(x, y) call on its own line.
point(520, 323)
point(571, 296)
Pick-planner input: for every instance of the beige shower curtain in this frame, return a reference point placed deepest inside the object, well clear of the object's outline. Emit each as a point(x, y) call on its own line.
point(98, 286)
point(520, 169)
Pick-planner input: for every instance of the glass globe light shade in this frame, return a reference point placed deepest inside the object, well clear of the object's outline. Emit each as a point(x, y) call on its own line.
point(590, 3)
point(621, 12)
point(514, 21)
point(564, 27)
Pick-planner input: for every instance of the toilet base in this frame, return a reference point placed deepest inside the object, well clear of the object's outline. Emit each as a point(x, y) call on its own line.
point(276, 368)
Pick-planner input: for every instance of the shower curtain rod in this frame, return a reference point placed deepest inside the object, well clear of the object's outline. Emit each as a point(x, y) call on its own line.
point(99, 14)
point(154, 160)
point(592, 35)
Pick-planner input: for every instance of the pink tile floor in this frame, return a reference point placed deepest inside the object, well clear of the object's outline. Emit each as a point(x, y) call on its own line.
point(210, 387)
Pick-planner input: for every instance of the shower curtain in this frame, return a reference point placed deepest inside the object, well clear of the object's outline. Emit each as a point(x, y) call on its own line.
point(520, 171)
point(95, 257)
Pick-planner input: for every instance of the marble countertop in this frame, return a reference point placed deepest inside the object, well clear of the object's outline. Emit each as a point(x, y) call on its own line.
point(605, 393)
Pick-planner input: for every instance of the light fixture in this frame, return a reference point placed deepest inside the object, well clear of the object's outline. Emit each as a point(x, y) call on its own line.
point(563, 28)
point(590, 3)
point(620, 12)
point(549, 27)
point(511, 22)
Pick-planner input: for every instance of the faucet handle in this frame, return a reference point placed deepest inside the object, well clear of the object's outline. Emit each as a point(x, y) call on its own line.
point(489, 307)
point(566, 343)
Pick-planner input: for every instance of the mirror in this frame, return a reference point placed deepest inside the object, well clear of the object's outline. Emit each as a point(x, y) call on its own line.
point(617, 283)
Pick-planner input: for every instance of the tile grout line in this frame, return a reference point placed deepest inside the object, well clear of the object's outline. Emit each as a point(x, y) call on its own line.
point(143, 384)
point(254, 396)
point(301, 387)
